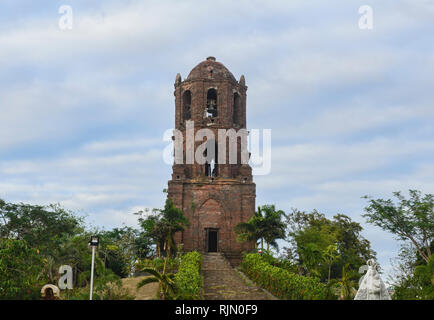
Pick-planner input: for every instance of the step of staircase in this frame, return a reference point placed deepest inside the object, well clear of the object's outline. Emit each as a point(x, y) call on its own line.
point(222, 282)
point(215, 261)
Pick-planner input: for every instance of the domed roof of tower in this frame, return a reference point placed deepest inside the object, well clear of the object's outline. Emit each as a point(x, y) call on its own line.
point(211, 69)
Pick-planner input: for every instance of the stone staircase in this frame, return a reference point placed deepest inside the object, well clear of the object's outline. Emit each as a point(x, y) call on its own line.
point(222, 282)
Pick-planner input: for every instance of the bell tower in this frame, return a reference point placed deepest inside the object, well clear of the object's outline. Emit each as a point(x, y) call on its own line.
point(218, 193)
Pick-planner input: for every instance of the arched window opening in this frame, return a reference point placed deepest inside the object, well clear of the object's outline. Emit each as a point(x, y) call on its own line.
point(211, 164)
point(211, 103)
point(237, 109)
point(186, 105)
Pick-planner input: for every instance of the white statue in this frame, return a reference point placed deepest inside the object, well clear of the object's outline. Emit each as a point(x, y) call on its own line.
point(371, 287)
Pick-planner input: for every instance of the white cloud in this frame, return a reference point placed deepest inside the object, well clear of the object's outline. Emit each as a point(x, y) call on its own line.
point(93, 180)
point(122, 144)
point(313, 163)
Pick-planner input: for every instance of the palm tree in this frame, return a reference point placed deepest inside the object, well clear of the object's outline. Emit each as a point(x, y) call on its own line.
point(250, 230)
point(346, 283)
point(265, 225)
point(165, 280)
point(273, 226)
point(162, 227)
point(311, 257)
point(172, 221)
point(330, 255)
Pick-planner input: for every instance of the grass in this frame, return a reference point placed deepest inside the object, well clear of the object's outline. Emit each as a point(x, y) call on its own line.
point(147, 292)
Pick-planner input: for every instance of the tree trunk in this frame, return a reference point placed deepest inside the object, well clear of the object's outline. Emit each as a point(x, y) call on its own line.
point(164, 268)
point(428, 248)
point(162, 297)
point(422, 254)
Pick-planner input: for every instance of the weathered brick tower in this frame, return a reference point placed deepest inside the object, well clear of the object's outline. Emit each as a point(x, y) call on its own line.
point(213, 196)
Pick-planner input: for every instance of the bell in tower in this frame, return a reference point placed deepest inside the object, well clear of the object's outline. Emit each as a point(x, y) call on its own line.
point(211, 103)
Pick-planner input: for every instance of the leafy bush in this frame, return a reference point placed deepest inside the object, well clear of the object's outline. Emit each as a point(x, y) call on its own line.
point(188, 280)
point(267, 257)
point(110, 291)
point(419, 286)
point(280, 282)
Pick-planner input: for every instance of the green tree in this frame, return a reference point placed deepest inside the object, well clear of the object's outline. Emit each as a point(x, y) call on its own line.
point(413, 279)
point(347, 283)
point(45, 228)
point(311, 258)
point(172, 221)
point(266, 225)
point(42, 227)
point(76, 253)
point(273, 226)
point(162, 226)
point(330, 255)
point(409, 219)
point(150, 234)
point(251, 230)
point(353, 248)
point(120, 248)
point(424, 279)
point(20, 270)
point(311, 235)
point(322, 246)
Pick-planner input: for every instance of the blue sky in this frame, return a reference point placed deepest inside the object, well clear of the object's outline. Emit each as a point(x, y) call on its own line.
point(83, 111)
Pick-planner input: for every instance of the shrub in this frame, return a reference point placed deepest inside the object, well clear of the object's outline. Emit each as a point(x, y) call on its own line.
point(267, 257)
point(188, 280)
point(419, 286)
point(111, 291)
point(280, 282)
